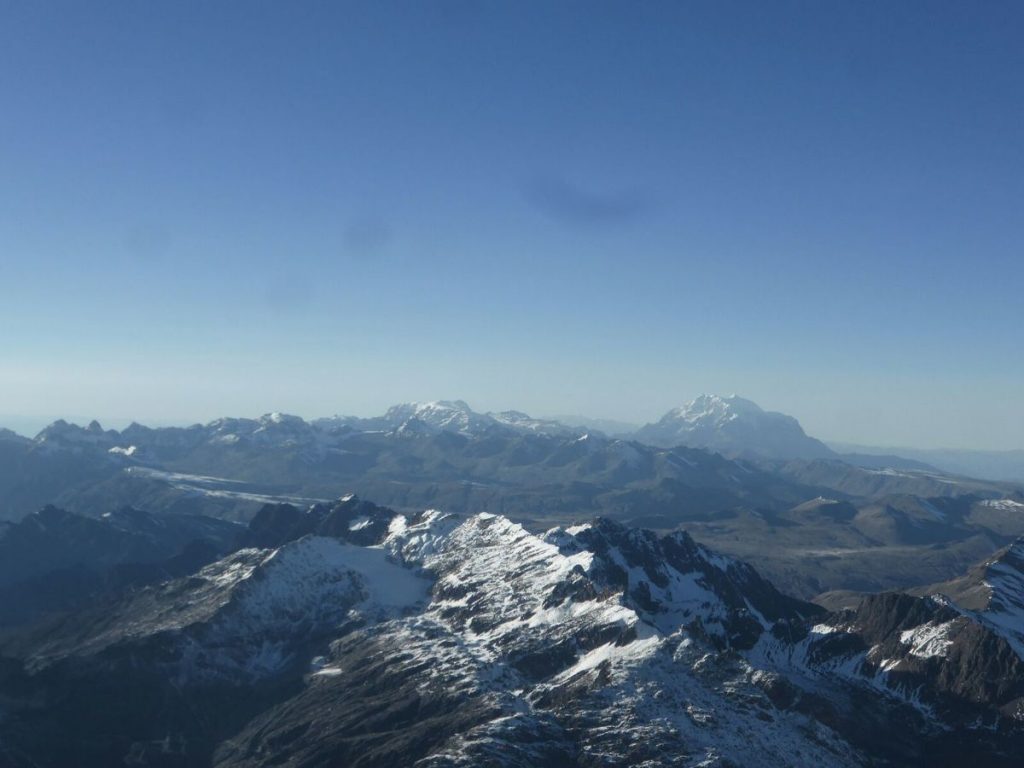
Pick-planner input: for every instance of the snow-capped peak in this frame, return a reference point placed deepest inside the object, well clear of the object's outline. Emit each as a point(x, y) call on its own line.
point(437, 415)
point(733, 426)
point(716, 408)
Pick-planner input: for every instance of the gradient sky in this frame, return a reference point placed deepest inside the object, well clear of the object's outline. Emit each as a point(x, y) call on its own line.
point(219, 208)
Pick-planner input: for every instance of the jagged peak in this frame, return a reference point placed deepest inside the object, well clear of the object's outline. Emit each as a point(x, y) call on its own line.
point(64, 428)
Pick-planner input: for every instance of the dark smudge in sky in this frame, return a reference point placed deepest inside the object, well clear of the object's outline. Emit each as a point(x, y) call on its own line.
point(366, 236)
point(574, 205)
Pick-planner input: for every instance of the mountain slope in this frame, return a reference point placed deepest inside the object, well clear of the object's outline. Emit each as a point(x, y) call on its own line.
point(53, 561)
point(993, 592)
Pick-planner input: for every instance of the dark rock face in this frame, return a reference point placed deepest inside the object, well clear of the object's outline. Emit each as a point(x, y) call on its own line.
point(648, 567)
point(388, 718)
point(53, 538)
point(938, 659)
point(32, 475)
point(275, 524)
point(53, 561)
point(350, 519)
point(115, 711)
point(881, 616)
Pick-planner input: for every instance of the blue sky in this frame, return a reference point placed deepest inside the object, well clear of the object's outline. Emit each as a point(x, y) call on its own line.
point(601, 208)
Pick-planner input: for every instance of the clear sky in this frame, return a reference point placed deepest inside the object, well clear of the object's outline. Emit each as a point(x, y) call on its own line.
point(219, 208)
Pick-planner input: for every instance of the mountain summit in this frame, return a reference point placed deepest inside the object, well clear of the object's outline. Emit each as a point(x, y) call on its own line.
point(733, 427)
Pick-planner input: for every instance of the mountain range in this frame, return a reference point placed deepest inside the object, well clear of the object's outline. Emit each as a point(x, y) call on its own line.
point(715, 589)
point(730, 425)
point(989, 465)
point(837, 523)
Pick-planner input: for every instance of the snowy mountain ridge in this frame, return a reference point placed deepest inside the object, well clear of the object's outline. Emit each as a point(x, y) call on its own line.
point(589, 644)
point(286, 430)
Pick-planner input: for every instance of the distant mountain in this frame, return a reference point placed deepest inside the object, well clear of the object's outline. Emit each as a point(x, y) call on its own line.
point(9, 436)
point(454, 416)
point(1005, 466)
point(733, 427)
point(34, 473)
point(881, 479)
point(54, 539)
point(445, 415)
point(66, 461)
point(866, 544)
point(439, 453)
point(538, 478)
point(610, 427)
point(52, 560)
point(886, 461)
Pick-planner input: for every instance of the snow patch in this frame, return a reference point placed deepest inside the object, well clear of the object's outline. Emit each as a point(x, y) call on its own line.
point(928, 640)
point(1003, 505)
